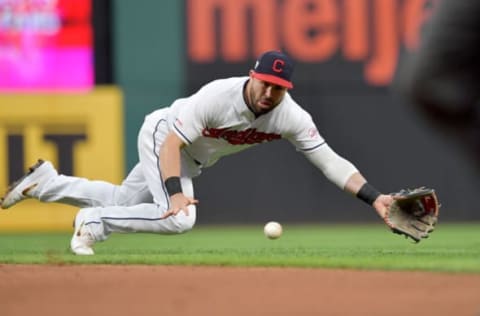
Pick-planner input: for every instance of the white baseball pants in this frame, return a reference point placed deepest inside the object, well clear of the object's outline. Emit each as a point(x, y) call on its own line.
point(139, 202)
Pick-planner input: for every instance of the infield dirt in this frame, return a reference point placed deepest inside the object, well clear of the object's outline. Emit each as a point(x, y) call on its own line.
point(190, 290)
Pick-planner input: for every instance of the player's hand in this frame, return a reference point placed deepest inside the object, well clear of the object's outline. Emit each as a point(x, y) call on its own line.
point(179, 202)
point(382, 205)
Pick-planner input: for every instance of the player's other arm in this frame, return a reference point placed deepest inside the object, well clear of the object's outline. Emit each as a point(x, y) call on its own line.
point(346, 176)
point(170, 168)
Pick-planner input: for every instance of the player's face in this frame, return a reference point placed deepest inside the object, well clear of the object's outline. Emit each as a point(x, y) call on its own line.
point(264, 96)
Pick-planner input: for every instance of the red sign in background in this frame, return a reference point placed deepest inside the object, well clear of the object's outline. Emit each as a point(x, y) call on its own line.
point(46, 45)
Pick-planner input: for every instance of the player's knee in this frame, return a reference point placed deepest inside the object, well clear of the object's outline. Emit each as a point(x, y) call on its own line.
point(84, 215)
point(183, 223)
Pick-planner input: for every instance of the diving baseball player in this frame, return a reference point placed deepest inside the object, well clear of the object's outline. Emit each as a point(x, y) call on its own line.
point(174, 145)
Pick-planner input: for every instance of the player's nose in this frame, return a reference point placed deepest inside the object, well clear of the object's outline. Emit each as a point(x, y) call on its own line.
point(268, 91)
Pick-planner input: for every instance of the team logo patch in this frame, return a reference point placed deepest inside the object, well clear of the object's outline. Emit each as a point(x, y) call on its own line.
point(248, 136)
point(313, 132)
point(278, 65)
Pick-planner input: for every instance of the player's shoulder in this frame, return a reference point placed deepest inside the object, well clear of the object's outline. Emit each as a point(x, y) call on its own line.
point(292, 109)
point(225, 85)
point(290, 116)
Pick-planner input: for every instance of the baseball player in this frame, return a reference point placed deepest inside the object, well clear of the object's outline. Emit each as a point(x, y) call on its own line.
point(174, 145)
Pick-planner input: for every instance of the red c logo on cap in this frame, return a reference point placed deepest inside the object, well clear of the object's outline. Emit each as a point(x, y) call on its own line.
point(278, 65)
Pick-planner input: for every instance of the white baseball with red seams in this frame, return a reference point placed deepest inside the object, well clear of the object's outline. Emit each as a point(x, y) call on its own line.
point(273, 230)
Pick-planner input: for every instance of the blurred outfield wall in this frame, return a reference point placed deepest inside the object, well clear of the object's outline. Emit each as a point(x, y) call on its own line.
point(81, 134)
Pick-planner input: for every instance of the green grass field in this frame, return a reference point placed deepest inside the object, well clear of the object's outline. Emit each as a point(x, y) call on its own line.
point(451, 248)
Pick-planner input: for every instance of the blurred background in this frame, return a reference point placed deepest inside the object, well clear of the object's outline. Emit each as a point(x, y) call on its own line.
point(77, 78)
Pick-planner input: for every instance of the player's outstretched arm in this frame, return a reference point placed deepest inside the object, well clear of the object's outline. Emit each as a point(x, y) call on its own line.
point(411, 213)
point(346, 176)
point(358, 186)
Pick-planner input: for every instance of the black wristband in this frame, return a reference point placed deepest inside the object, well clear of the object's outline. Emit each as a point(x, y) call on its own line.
point(368, 194)
point(173, 185)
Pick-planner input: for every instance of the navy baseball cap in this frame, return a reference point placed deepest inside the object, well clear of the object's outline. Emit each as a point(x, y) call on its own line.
point(274, 67)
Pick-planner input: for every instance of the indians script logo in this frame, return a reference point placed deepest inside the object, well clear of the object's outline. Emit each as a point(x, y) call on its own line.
point(248, 136)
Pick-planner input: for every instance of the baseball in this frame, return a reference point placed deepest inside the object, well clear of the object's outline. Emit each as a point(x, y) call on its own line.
point(272, 230)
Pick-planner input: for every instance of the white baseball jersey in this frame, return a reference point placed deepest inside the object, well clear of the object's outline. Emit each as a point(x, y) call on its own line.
point(215, 122)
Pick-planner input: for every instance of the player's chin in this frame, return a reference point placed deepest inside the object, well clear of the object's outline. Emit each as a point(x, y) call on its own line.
point(264, 107)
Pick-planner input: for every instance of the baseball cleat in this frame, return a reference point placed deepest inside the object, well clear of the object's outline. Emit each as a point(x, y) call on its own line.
point(21, 189)
point(82, 241)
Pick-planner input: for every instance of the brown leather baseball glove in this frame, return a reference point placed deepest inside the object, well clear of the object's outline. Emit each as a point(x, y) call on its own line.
point(414, 213)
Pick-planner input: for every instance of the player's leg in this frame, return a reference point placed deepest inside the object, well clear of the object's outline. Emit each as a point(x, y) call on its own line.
point(103, 221)
point(43, 182)
point(97, 223)
point(82, 192)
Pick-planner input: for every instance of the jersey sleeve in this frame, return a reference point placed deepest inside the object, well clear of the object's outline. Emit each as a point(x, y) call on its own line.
point(306, 138)
point(304, 134)
point(196, 113)
point(336, 168)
